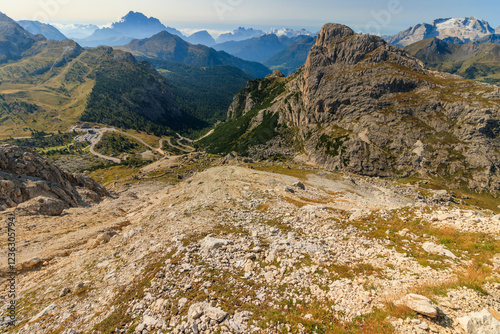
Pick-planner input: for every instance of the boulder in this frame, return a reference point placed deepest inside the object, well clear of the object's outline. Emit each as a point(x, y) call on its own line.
point(199, 309)
point(299, 185)
point(432, 248)
point(41, 205)
point(210, 243)
point(420, 304)
point(105, 237)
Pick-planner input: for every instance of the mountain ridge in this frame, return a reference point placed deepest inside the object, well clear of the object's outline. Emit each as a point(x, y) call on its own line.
point(48, 85)
point(166, 46)
point(260, 48)
point(477, 61)
point(14, 39)
point(292, 58)
point(39, 28)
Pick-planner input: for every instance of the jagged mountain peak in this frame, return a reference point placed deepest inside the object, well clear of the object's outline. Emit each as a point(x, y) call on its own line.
point(131, 26)
point(137, 18)
point(339, 44)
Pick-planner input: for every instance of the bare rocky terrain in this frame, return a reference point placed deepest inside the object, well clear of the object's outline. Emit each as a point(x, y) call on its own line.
point(34, 185)
point(237, 246)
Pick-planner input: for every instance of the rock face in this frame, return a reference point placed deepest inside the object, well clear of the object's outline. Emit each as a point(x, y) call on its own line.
point(364, 106)
point(36, 186)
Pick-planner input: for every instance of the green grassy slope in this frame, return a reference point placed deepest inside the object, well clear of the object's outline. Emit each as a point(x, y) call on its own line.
point(472, 60)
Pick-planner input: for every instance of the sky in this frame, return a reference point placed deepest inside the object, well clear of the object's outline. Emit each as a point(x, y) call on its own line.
point(373, 16)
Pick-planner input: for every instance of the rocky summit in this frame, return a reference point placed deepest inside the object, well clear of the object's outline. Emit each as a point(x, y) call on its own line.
point(364, 106)
point(34, 186)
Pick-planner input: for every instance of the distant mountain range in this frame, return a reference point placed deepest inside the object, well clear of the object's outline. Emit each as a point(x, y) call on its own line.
point(453, 30)
point(201, 37)
point(47, 30)
point(258, 48)
point(290, 33)
point(239, 34)
point(495, 38)
point(292, 58)
point(165, 46)
point(132, 26)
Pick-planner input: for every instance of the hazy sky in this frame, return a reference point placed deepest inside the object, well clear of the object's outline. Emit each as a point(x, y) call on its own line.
point(384, 16)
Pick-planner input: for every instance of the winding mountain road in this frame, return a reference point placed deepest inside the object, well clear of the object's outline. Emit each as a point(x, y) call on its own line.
point(97, 154)
point(181, 147)
point(116, 160)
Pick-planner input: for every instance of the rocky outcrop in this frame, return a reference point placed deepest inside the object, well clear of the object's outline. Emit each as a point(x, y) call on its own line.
point(34, 185)
point(276, 74)
point(480, 323)
point(364, 106)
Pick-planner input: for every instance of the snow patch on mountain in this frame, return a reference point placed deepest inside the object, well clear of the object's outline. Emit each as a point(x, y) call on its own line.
point(460, 30)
